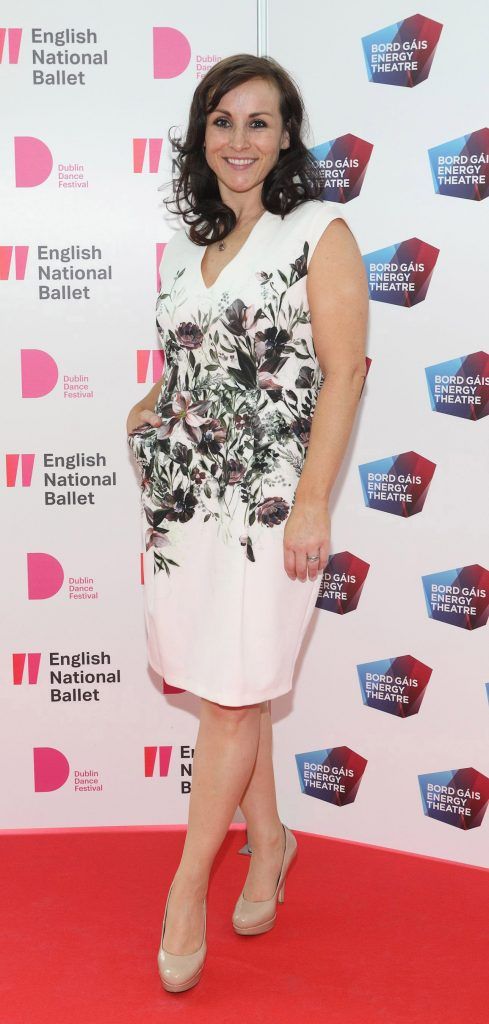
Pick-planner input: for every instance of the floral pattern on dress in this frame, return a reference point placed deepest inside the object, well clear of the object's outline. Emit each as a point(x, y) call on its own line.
point(236, 406)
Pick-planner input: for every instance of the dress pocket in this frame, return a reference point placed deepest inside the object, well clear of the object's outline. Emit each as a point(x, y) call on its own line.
point(142, 442)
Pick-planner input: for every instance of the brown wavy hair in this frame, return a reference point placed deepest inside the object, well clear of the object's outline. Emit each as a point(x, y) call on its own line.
point(294, 179)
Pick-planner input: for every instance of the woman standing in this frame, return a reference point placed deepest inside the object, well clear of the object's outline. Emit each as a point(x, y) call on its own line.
point(264, 365)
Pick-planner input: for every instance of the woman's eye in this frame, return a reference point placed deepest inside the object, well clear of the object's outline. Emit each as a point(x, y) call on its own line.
point(219, 121)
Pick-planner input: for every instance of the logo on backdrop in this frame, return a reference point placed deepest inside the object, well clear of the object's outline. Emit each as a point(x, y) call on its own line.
point(458, 596)
point(73, 677)
point(25, 667)
point(396, 685)
point(33, 164)
point(13, 271)
point(460, 387)
point(459, 167)
point(146, 155)
point(343, 162)
point(157, 764)
point(65, 57)
point(18, 469)
point(10, 40)
point(69, 264)
point(62, 481)
point(401, 273)
point(342, 583)
point(458, 797)
point(333, 774)
point(45, 577)
point(39, 376)
point(398, 484)
point(52, 770)
point(149, 365)
point(172, 54)
point(402, 53)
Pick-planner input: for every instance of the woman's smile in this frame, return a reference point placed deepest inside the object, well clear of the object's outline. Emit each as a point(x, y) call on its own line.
point(239, 163)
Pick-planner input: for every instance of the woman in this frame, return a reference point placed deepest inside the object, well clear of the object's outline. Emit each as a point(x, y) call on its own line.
point(236, 519)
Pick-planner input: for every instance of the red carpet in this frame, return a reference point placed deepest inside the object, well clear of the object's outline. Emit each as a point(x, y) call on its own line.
point(365, 935)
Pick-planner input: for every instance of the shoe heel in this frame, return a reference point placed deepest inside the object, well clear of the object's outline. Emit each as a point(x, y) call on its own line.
point(252, 917)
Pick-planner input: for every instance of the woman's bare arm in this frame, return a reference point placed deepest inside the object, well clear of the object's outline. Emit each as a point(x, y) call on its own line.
point(338, 298)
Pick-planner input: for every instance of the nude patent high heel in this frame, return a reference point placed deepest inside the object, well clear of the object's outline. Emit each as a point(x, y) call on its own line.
point(180, 971)
point(253, 917)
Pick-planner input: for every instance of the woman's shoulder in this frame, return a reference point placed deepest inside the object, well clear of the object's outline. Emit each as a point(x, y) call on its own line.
point(309, 220)
point(315, 212)
point(173, 249)
point(177, 238)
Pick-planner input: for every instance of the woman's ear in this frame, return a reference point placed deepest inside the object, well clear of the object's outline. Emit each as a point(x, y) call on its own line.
point(286, 137)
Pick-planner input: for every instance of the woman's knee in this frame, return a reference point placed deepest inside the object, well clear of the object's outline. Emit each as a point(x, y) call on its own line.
point(232, 717)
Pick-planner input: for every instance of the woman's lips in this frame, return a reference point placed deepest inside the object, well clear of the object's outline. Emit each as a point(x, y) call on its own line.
point(239, 166)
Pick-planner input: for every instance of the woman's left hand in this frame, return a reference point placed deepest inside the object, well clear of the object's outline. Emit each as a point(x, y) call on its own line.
point(307, 532)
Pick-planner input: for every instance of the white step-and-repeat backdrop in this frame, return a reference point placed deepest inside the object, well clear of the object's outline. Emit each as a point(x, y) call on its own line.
point(384, 738)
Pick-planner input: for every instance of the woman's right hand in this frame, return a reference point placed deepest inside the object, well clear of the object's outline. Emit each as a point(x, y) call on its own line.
point(139, 417)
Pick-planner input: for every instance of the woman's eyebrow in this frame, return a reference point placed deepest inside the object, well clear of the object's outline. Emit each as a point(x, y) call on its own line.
point(254, 114)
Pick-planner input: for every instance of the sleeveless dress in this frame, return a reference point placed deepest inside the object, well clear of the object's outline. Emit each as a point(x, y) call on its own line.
point(218, 477)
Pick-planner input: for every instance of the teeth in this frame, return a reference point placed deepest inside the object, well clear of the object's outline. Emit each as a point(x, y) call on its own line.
point(239, 163)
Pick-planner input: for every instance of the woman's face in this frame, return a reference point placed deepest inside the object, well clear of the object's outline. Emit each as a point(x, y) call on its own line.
point(244, 136)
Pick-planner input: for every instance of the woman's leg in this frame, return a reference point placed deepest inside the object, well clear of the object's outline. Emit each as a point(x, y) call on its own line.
point(259, 806)
point(225, 752)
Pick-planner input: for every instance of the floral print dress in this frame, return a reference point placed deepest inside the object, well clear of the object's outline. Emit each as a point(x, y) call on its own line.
point(218, 477)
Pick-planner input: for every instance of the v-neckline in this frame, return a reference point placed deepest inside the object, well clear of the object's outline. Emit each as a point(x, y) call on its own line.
point(233, 259)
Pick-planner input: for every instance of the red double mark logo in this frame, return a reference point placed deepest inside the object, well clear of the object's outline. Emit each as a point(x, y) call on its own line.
point(33, 659)
point(150, 755)
point(12, 461)
point(13, 37)
point(20, 253)
point(145, 357)
point(139, 148)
